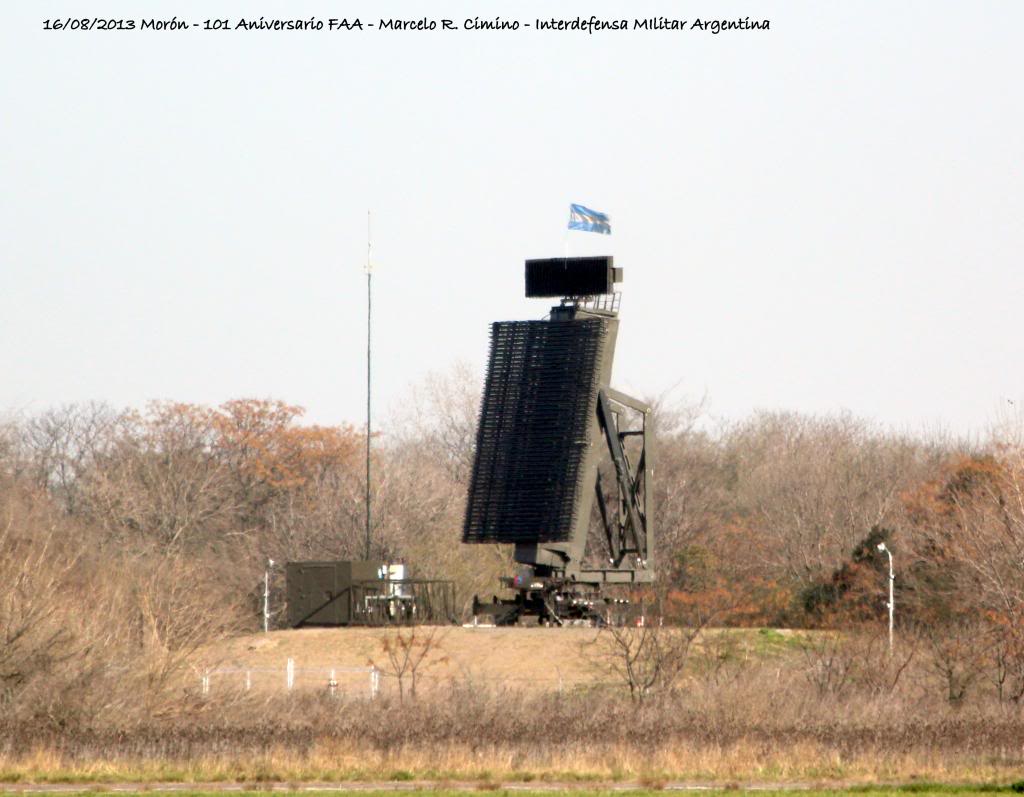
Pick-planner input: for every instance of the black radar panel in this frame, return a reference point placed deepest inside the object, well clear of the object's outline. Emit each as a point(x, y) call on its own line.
point(540, 398)
point(570, 276)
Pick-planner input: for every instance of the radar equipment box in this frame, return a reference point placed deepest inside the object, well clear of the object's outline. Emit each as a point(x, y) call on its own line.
point(364, 593)
point(319, 593)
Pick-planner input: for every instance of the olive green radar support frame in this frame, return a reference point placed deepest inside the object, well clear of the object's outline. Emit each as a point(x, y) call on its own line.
point(627, 522)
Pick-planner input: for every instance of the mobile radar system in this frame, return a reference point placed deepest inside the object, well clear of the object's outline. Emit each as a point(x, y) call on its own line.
point(555, 440)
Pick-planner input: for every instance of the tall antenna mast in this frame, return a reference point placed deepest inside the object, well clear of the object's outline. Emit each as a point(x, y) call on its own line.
point(369, 316)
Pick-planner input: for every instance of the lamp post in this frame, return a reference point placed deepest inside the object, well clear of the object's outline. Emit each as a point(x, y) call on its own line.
point(891, 604)
point(266, 596)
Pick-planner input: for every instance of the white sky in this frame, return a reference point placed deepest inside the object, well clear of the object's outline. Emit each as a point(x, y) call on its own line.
point(826, 216)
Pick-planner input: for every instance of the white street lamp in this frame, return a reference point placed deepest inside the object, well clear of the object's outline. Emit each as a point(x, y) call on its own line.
point(892, 578)
point(266, 596)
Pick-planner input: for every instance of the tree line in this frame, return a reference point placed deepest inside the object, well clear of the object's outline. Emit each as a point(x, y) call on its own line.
point(150, 529)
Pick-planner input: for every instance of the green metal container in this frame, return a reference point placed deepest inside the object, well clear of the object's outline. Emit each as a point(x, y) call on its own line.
point(326, 593)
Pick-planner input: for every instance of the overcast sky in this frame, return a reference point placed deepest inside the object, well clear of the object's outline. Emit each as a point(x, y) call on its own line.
point(823, 217)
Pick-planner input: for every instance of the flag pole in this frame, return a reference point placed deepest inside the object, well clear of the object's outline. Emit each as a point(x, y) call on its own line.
point(567, 237)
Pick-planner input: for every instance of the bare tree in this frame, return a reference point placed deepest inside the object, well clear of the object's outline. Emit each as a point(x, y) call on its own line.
point(161, 480)
point(836, 663)
point(441, 412)
point(409, 652)
point(35, 624)
point(814, 487)
point(1005, 669)
point(645, 658)
point(62, 445)
point(955, 653)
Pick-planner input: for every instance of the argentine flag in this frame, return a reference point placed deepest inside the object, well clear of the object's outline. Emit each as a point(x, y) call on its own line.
point(587, 220)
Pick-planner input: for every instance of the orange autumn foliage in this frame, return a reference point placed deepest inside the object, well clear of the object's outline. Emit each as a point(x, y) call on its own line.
point(262, 440)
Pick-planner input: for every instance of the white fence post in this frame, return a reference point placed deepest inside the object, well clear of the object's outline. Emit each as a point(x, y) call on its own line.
point(291, 670)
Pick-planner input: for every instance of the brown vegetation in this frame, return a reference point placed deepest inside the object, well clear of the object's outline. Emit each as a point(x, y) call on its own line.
point(760, 723)
point(407, 653)
point(130, 541)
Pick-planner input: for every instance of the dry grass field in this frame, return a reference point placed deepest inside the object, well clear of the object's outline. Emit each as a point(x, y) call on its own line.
point(455, 790)
point(753, 706)
point(523, 658)
point(519, 658)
